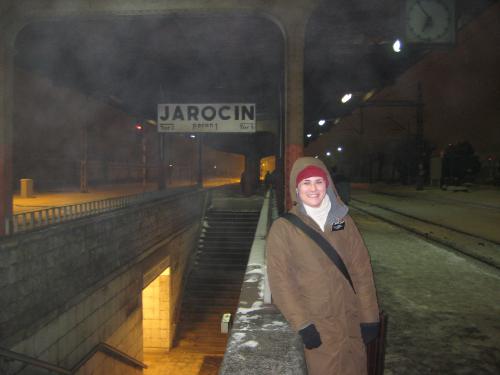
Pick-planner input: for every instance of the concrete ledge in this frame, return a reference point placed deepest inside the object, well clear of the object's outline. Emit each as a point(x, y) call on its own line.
point(261, 342)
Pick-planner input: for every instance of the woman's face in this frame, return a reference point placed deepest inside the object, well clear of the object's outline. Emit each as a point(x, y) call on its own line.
point(312, 190)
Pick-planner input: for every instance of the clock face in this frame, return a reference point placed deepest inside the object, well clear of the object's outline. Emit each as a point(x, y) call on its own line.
point(430, 21)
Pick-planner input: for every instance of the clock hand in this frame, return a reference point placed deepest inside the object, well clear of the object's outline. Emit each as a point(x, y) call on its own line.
point(428, 23)
point(423, 10)
point(428, 19)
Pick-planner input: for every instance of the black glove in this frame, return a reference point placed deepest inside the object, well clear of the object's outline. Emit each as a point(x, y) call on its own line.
point(369, 331)
point(310, 336)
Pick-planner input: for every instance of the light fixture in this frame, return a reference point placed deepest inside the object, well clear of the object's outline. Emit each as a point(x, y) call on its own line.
point(397, 46)
point(328, 153)
point(339, 149)
point(316, 156)
point(346, 97)
point(368, 95)
point(192, 136)
point(336, 122)
point(309, 135)
point(321, 122)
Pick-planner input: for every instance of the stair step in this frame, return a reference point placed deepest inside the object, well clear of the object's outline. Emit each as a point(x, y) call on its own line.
point(214, 284)
point(218, 301)
point(222, 259)
point(220, 265)
point(220, 295)
point(214, 253)
point(227, 240)
point(231, 223)
point(222, 249)
point(227, 237)
point(224, 229)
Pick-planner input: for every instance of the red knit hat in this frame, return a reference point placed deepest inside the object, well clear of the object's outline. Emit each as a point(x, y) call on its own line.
point(311, 171)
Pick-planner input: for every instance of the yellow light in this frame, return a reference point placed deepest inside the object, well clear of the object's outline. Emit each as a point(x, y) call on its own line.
point(368, 95)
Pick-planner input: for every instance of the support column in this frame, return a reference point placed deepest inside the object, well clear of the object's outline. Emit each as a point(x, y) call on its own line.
point(419, 134)
point(200, 160)
point(294, 121)
point(251, 183)
point(161, 161)
point(6, 102)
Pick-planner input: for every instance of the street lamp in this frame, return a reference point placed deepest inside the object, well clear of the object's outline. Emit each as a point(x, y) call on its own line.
point(346, 97)
point(139, 131)
point(397, 46)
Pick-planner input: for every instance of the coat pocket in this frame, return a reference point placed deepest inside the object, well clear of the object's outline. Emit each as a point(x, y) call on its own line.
point(316, 305)
point(315, 294)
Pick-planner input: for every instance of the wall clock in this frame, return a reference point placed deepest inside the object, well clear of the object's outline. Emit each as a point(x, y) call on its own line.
point(430, 21)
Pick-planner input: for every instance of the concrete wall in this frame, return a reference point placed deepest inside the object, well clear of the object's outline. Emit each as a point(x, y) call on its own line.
point(261, 341)
point(67, 288)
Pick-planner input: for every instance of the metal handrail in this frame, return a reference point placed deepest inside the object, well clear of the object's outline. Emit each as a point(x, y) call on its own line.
point(101, 347)
point(30, 220)
point(32, 361)
point(112, 352)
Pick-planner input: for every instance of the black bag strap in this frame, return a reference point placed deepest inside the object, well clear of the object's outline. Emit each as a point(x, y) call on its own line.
point(322, 243)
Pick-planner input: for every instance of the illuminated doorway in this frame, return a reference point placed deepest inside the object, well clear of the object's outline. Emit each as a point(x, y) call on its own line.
point(157, 314)
point(267, 164)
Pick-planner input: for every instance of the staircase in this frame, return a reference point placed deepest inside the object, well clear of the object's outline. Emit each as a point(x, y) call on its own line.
point(213, 286)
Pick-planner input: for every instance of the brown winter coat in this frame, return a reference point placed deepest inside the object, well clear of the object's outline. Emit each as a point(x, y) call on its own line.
point(308, 288)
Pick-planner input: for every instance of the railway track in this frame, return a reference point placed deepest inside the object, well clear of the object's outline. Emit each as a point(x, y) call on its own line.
point(485, 251)
point(490, 206)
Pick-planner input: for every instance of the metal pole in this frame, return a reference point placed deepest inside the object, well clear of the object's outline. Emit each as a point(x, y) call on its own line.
point(83, 161)
point(361, 155)
point(361, 121)
point(144, 170)
point(200, 162)
point(161, 171)
point(420, 139)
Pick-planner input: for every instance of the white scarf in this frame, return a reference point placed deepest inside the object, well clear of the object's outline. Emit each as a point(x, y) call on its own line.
point(320, 214)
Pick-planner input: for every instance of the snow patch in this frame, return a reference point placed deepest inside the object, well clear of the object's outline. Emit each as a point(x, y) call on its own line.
point(238, 336)
point(247, 318)
point(250, 344)
point(257, 305)
point(252, 279)
point(256, 271)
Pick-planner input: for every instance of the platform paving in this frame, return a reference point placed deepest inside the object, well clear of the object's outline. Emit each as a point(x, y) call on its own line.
point(55, 198)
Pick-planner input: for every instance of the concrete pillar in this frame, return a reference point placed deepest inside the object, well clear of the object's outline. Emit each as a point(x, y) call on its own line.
point(294, 87)
point(251, 183)
point(6, 101)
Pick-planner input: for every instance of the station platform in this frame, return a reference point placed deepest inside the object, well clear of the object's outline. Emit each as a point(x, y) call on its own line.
point(47, 199)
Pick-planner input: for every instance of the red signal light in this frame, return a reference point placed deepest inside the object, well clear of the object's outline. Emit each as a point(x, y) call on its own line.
point(139, 127)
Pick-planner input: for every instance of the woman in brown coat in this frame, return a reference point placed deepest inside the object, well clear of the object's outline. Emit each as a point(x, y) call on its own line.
point(333, 318)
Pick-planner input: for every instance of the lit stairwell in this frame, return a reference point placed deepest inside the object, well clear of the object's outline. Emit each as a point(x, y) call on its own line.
point(213, 286)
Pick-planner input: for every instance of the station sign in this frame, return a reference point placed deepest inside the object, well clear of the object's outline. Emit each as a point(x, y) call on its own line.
point(207, 118)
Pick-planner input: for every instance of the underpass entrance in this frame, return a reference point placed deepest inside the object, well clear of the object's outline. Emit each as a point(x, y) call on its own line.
point(157, 314)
